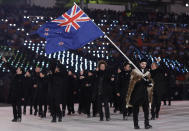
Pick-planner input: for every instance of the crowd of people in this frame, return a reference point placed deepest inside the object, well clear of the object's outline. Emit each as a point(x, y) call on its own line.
point(57, 90)
point(155, 33)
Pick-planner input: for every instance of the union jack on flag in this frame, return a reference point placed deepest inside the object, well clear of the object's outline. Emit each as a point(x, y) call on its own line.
point(73, 19)
point(72, 30)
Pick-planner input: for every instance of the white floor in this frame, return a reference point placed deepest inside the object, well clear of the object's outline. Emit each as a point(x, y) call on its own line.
point(172, 118)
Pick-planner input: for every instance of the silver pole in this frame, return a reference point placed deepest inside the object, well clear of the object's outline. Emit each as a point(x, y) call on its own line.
point(123, 54)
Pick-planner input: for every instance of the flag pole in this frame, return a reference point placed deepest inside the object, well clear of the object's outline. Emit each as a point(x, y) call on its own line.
point(123, 54)
point(117, 47)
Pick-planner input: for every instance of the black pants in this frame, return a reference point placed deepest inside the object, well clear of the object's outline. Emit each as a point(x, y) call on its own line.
point(70, 103)
point(169, 102)
point(17, 110)
point(102, 100)
point(167, 96)
point(28, 101)
point(71, 108)
point(63, 107)
point(55, 109)
point(156, 104)
point(95, 107)
point(81, 102)
point(42, 109)
point(145, 107)
point(123, 108)
point(88, 104)
point(34, 103)
point(117, 103)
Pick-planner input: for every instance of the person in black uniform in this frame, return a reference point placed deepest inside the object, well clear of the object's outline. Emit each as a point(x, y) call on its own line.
point(50, 88)
point(81, 80)
point(94, 98)
point(115, 100)
point(158, 77)
point(75, 92)
point(16, 91)
point(36, 79)
point(88, 84)
point(56, 98)
point(170, 86)
point(64, 89)
point(167, 95)
point(28, 91)
point(102, 85)
point(70, 96)
point(42, 94)
point(137, 94)
point(123, 84)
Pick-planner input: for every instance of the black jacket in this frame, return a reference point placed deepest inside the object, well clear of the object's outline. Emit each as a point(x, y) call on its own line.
point(28, 88)
point(123, 82)
point(16, 87)
point(64, 75)
point(158, 77)
point(88, 86)
point(36, 81)
point(103, 84)
point(17, 90)
point(43, 90)
point(56, 87)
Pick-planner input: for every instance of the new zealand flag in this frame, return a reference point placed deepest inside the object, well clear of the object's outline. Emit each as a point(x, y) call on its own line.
point(72, 30)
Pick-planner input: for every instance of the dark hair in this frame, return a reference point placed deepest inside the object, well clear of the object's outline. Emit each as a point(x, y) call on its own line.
point(37, 66)
point(102, 62)
point(155, 64)
point(143, 60)
point(126, 63)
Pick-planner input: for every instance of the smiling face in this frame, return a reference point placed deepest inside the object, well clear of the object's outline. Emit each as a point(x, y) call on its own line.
point(143, 65)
